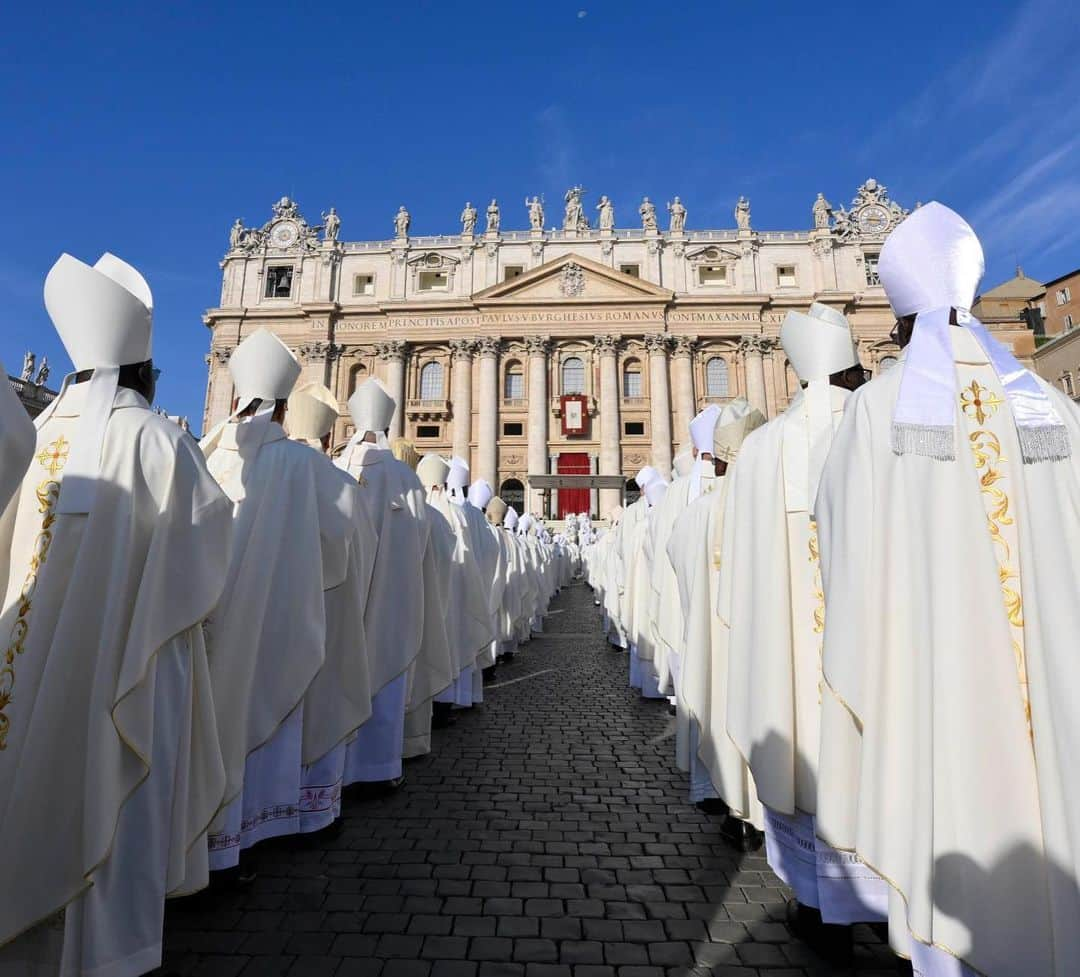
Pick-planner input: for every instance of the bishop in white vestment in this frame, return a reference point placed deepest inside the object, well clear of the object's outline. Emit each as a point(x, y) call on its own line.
point(772, 600)
point(949, 523)
point(293, 518)
point(118, 542)
point(17, 439)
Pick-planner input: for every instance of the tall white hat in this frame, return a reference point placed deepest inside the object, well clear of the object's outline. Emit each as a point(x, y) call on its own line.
point(655, 491)
point(480, 493)
point(933, 260)
point(510, 520)
point(496, 510)
point(432, 471)
point(312, 412)
point(262, 368)
point(701, 428)
point(933, 263)
point(737, 420)
point(371, 407)
point(818, 343)
point(525, 523)
point(646, 475)
point(458, 479)
point(104, 316)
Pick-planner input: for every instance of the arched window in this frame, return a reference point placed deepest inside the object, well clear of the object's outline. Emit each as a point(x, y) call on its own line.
point(512, 492)
point(431, 385)
point(886, 363)
point(573, 375)
point(631, 379)
point(632, 493)
point(514, 381)
point(357, 375)
point(716, 378)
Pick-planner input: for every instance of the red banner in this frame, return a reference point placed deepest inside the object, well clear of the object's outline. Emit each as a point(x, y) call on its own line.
point(575, 415)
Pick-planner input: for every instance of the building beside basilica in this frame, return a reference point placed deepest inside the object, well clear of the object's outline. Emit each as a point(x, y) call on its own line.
point(578, 350)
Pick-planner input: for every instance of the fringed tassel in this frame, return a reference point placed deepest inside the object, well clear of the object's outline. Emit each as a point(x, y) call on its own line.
point(1043, 442)
point(928, 440)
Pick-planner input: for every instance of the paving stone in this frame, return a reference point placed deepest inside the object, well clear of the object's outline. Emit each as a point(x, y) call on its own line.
point(546, 835)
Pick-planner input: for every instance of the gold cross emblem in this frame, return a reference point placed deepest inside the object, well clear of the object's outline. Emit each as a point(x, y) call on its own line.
point(979, 401)
point(54, 457)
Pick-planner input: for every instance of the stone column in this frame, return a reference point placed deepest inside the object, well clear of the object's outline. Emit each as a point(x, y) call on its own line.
point(461, 395)
point(219, 396)
point(392, 353)
point(488, 434)
point(538, 348)
point(682, 394)
point(659, 402)
point(312, 358)
point(610, 455)
point(753, 349)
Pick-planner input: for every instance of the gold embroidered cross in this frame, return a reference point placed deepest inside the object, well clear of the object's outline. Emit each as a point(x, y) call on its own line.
point(982, 401)
point(54, 457)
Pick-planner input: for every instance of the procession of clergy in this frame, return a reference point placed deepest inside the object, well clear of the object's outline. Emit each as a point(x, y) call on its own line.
point(203, 648)
point(864, 611)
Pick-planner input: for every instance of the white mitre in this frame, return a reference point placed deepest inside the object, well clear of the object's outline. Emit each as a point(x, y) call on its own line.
point(818, 343)
point(496, 510)
point(262, 368)
point(457, 482)
point(312, 412)
point(372, 409)
point(655, 491)
point(701, 428)
point(525, 523)
point(432, 472)
point(737, 420)
point(510, 520)
point(104, 316)
point(646, 475)
point(480, 493)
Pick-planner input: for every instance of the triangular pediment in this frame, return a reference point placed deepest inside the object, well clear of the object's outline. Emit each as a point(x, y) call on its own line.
point(571, 278)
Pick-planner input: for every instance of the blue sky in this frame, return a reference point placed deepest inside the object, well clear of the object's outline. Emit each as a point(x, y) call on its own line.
point(147, 129)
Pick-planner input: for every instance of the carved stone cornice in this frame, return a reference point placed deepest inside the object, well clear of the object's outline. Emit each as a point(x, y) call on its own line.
point(537, 345)
point(462, 349)
point(537, 248)
point(684, 345)
point(657, 344)
point(391, 349)
point(821, 246)
point(607, 345)
point(221, 355)
point(488, 346)
point(756, 345)
point(335, 351)
point(312, 352)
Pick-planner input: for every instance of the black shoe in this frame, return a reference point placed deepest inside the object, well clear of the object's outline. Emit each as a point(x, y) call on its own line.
point(235, 879)
point(442, 715)
point(741, 835)
point(830, 942)
point(713, 806)
point(488, 673)
point(673, 710)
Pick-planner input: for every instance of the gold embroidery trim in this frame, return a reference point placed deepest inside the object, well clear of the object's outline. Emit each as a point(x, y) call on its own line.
point(52, 459)
point(819, 600)
point(986, 449)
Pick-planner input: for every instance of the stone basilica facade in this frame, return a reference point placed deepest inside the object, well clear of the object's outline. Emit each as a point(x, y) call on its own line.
point(572, 350)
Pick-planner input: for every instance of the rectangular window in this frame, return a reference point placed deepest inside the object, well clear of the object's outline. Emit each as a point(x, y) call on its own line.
point(433, 281)
point(632, 383)
point(427, 430)
point(712, 275)
point(363, 285)
point(1067, 384)
point(515, 386)
point(633, 270)
point(634, 429)
point(1042, 309)
point(785, 276)
point(1068, 321)
point(279, 281)
point(1064, 295)
point(871, 270)
point(513, 429)
point(513, 271)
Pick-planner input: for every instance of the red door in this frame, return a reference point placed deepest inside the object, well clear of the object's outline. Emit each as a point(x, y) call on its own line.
point(573, 500)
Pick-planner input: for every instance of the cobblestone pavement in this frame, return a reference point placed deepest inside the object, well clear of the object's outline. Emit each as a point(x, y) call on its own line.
point(547, 835)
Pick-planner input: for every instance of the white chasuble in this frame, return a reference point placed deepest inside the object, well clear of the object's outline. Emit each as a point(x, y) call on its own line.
point(949, 586)
point(293, 517)
point(105, 706)
point(694, 551)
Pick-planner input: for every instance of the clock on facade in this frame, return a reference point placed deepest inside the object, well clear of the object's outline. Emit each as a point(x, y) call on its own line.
point(873, 220)
point(284, 234)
